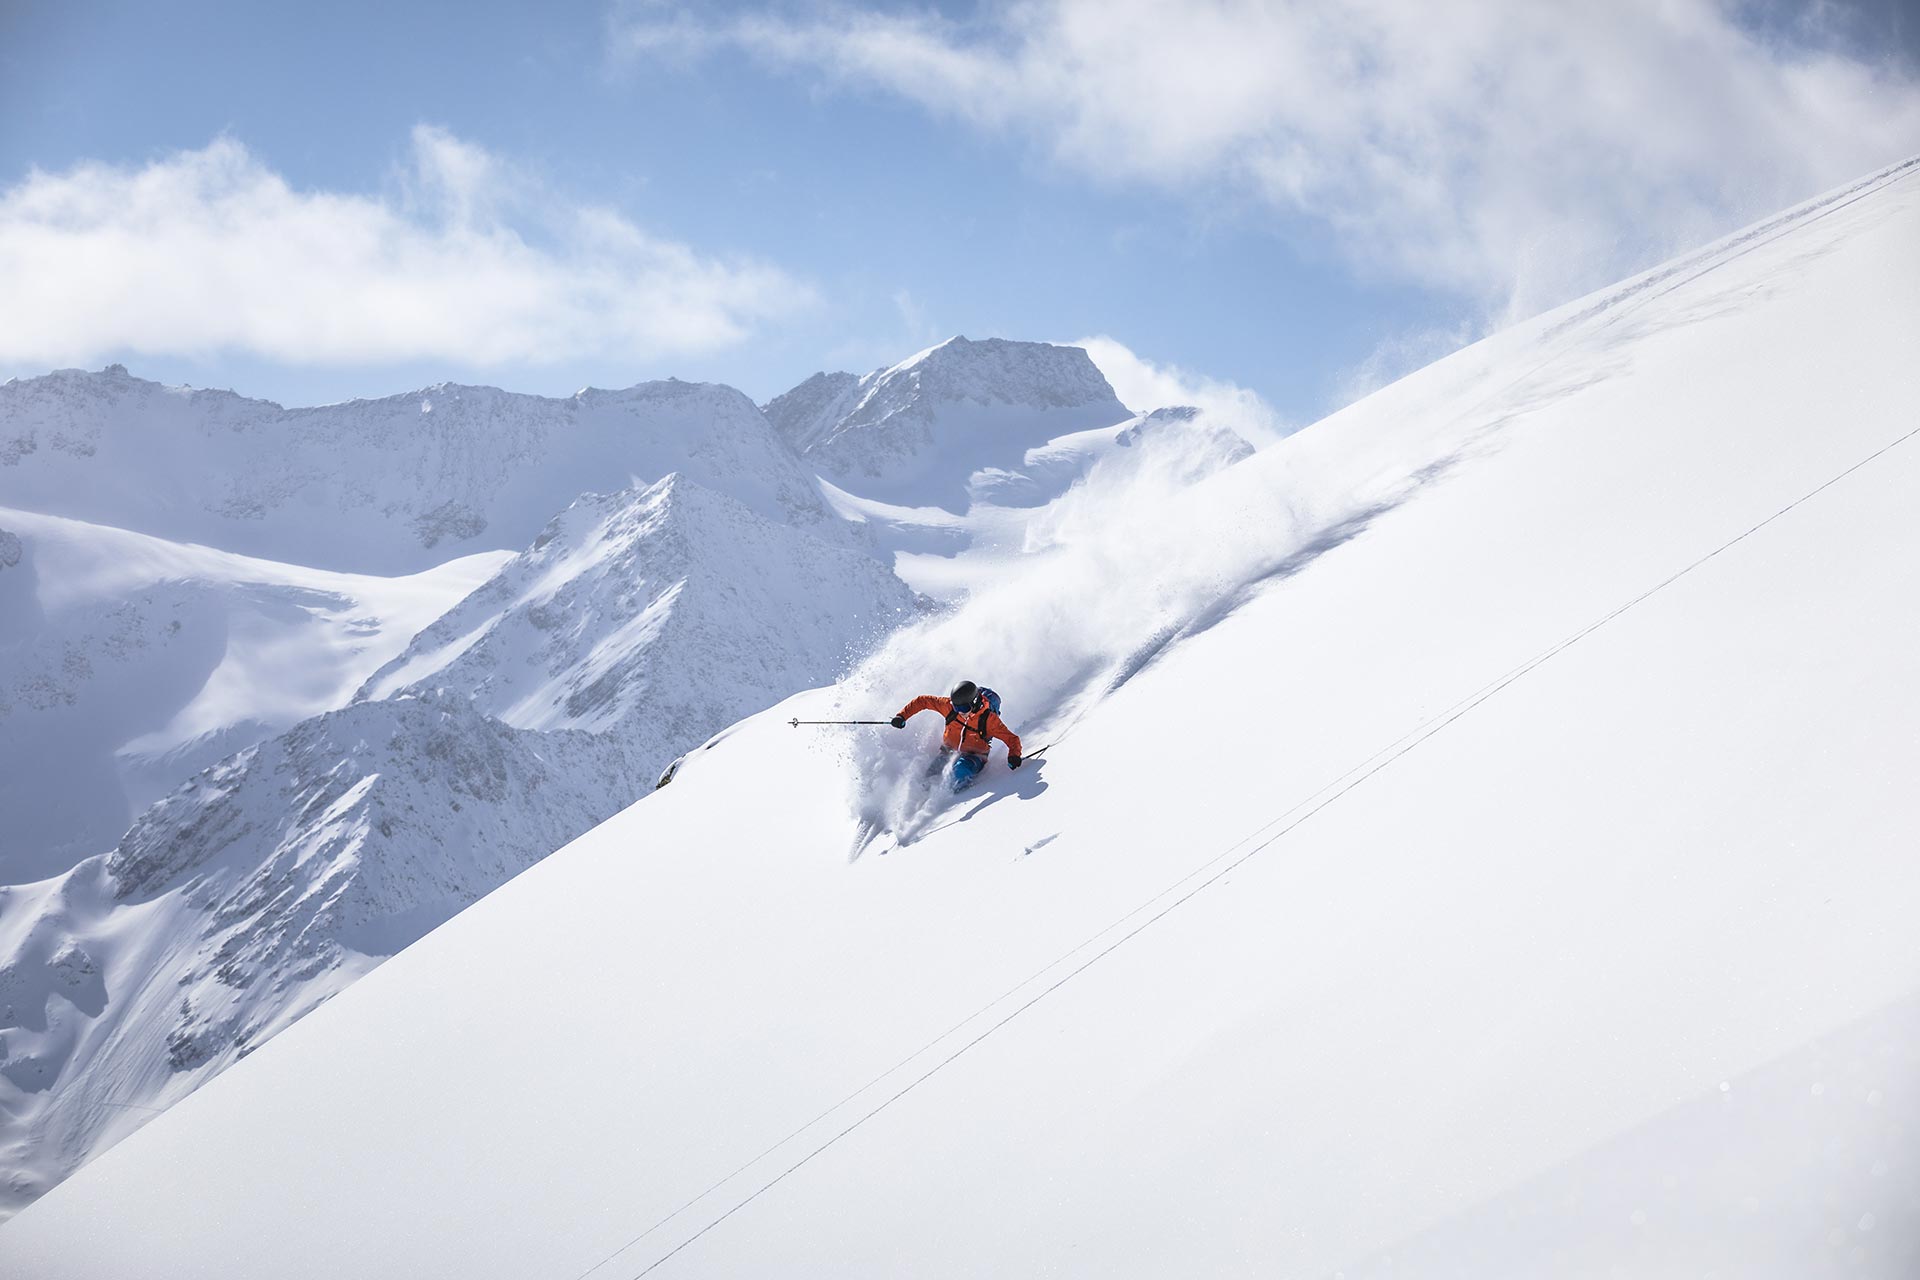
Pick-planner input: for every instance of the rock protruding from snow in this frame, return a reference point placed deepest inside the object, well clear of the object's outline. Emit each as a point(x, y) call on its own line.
point(129, 663)
point(1354, 888)
point(807, 413)
point(376, 822)
point(375, 486)
point(658, 615)
point(254, 893)
point(930, 430)
point(653, 617)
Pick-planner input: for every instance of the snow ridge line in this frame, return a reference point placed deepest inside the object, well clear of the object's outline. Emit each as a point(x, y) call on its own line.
point(1616, 305)
point(1661, 280)
point(1331, 792)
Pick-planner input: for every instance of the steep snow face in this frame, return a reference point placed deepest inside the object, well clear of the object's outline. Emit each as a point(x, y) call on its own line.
point(133, 661)
point(806, 414)
point(1474, 792)
point(340, 790)
point(252, 894)
point(931, 429)
point(653, 616)
point(657, 614)
point(128, 664)
point(1058, 487)
point(375, 486)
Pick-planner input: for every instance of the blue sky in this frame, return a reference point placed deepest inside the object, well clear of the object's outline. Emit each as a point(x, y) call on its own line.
point(356, 199)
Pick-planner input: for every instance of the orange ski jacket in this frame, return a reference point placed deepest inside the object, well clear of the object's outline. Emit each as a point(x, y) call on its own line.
point(970, 732)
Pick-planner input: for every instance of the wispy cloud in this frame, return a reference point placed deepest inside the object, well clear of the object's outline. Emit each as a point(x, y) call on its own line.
point(1144, 386)
point(210, 251)
point(1510, 152)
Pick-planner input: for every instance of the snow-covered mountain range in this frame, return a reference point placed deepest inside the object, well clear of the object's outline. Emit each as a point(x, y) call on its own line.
point(386, 486)
point(1475, 839)
point(132, 663)
point(232, 785)
point(259, 889)
point(657, 615)
point(947, 426)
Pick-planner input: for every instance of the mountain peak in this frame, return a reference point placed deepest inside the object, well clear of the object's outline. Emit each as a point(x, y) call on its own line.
point(654, 613)
point(1506, 968)
point(1002, 370)
point(810, 411)
point(915, 432)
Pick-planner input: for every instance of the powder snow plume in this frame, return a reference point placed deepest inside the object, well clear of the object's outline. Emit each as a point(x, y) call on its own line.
point(1132, 559)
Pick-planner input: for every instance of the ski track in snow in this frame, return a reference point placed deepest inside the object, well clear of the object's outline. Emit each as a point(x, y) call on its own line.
point(647, 616)
point(1437, 1009)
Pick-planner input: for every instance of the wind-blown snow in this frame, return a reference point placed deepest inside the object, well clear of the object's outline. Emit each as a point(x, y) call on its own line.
point(651, 617)
point(1476, 791)
point(1042, 494)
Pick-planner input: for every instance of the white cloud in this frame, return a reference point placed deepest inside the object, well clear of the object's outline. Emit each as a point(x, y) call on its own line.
point(1144, 386)
point(211, 251)
point(915, 319)
point(1512, 152)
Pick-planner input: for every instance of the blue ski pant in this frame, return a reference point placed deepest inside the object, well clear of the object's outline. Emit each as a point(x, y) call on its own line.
point(966, 767)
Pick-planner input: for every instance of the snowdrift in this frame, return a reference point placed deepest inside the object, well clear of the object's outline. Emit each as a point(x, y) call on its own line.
point(1479, 841)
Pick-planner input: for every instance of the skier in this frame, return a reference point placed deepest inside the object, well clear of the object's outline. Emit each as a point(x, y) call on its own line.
point(973, 721)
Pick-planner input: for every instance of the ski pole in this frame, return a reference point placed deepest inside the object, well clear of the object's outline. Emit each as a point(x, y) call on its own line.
point(797, 722)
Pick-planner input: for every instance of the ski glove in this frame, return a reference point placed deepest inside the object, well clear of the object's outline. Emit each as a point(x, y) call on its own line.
point(898, 722)
point(1014, 762)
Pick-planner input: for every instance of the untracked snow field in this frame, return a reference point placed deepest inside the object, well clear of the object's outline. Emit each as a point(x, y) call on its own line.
point(1478, 840)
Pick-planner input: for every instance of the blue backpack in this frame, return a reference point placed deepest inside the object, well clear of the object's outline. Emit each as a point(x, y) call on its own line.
point(993, 705)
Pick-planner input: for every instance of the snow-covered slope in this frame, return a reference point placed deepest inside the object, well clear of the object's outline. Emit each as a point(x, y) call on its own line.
point(255, 892)
point(947, 425)
point(1458, 809)
point(1016, 511)
point(375, 486)
point(651, 617)
point(130, 660)
point(957, 458)
point(809, 412)
point(1178, 446)
point(128, 664)
point(660, 615)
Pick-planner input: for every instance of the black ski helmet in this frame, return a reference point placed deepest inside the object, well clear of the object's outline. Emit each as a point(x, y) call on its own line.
point(965, 694)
